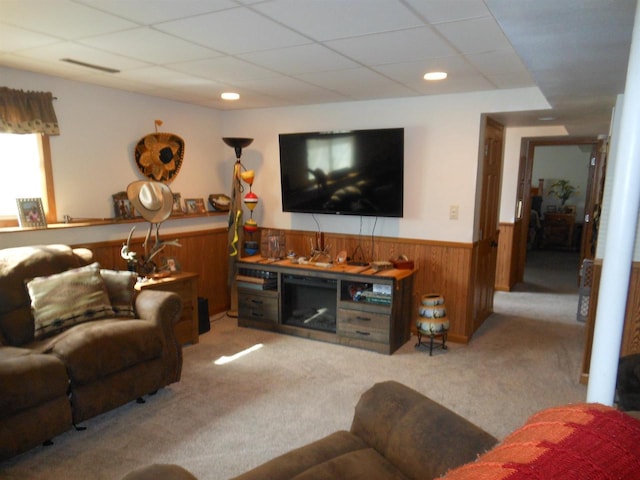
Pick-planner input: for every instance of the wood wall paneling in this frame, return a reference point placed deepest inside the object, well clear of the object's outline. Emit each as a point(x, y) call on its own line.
point(203, 252)
point(442, 267)
point(508, 265)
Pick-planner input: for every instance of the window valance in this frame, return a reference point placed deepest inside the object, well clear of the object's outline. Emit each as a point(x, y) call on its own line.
point(27, 112)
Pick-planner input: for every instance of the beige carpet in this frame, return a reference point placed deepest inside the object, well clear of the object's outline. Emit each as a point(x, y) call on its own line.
point(223, 419)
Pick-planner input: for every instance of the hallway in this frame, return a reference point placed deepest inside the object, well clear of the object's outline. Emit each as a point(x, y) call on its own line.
point(549, 291)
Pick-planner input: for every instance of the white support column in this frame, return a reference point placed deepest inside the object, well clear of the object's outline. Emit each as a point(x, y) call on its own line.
point(620, 237)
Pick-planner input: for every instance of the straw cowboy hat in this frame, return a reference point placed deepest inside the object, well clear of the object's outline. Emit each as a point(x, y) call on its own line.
point(153, 200)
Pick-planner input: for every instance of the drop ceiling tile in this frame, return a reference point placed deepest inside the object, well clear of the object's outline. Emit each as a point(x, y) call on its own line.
point(357, 83)
point(163, 77)
point(149, 12)
point(333, 19)
point(511, 80)
point(475, 36)
point(224, 69)
point(116, 81)
point(293, 90)
point(455, 84)
point(60, 18)
point(497, 62)
point(13, 39)
point(411, 73)
point(75, 51)
point(150, 45)
point(44, 67)
point(393, 47)
point(439, 11)
point(299, 59)
point(226, 31)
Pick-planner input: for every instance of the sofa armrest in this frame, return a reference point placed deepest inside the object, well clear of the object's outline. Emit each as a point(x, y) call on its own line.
point(164, 309)
point(420, 437)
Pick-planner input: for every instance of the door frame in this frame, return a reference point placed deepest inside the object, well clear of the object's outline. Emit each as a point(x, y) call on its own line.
point(593, 191)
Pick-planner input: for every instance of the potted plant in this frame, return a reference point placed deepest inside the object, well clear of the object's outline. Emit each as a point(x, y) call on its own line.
point(563, 190)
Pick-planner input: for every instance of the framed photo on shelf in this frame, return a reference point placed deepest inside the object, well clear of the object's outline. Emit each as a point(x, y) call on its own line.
point(122, 207)
point(31, 213)
point(171, 264)
point(195, 205)
point(177, 205)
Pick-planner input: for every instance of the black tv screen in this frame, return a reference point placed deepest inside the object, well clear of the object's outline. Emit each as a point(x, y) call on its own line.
point(357, 172)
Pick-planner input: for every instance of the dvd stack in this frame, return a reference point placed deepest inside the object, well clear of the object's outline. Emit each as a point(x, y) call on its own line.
point(257, 279)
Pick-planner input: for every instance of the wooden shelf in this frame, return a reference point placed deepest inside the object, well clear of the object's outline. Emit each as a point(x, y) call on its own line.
point(97, 222)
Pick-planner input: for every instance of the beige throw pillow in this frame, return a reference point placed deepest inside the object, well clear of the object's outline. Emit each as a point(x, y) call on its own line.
point(120, 287)
point(65, 299)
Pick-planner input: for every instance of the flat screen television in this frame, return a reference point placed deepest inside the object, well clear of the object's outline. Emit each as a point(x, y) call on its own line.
point(356, 172)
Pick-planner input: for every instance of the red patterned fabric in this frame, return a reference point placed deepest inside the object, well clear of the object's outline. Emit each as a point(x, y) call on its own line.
point(575, 442)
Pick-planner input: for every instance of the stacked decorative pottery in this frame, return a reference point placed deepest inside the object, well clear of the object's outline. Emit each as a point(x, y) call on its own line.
point(432, 318)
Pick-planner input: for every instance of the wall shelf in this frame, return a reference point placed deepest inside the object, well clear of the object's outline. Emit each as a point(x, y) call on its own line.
point(97, 222)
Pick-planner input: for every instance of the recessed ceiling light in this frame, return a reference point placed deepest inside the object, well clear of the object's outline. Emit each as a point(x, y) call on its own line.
point(435, 76)
point(230, 96)
point(546, 119)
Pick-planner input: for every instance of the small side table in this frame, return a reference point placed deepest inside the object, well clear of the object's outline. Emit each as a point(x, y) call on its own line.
point(184, 284)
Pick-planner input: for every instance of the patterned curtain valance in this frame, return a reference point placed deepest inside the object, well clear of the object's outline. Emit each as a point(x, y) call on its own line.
point(27, 112)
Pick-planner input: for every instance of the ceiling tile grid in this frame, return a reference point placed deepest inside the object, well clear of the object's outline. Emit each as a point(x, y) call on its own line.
point(296, 52)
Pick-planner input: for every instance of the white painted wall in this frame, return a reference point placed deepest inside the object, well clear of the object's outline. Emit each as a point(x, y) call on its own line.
point(93, 156)
point(441, 157)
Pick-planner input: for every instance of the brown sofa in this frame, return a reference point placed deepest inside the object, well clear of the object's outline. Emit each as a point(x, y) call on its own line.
point(58, 370)
point(397, 433)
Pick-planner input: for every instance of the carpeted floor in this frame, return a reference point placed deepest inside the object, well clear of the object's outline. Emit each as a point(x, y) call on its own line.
point(223, 419)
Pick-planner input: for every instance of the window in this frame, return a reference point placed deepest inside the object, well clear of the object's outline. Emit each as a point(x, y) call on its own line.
point(26, 173)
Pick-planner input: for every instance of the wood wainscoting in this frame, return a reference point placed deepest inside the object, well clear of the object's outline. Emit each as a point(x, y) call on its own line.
point(631, 333)
point(446, 268)
point(203, 252)
point(510, 265)
point(442, 267)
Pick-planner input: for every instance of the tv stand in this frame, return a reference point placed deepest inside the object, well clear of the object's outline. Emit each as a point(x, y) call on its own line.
point(350, 305)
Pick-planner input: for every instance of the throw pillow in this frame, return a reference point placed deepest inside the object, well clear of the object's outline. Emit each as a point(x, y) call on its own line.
point(120, 287)
point(65, 299)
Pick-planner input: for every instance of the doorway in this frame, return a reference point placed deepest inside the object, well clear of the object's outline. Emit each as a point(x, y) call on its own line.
point(550, 220)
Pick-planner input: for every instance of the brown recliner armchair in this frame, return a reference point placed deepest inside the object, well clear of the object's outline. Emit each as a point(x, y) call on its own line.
point(55, 376)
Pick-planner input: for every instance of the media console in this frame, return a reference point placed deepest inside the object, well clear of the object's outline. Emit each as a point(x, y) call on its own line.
point(344, 304)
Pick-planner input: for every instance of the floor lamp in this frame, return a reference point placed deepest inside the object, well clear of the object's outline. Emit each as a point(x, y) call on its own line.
point(235, 234)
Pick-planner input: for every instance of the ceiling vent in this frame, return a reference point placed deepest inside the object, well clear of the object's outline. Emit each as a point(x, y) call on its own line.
point(89, 65)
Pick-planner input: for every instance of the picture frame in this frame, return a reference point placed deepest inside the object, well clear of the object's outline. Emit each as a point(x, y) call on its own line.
point(195, 205)
point(177, 205)
point(171, 264)
point(31, 213)
point(571, 209)
point(122, 207)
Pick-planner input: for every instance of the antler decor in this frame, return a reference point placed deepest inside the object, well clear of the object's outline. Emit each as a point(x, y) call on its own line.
point(145, 265)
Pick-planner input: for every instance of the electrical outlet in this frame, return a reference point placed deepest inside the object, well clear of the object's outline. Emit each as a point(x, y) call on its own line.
point(453, 212)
